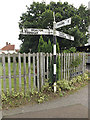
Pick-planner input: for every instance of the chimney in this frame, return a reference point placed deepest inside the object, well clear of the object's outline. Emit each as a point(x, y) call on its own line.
point(6, 43)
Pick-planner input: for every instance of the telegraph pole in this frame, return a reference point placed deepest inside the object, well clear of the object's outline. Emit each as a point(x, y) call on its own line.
point(54, 53)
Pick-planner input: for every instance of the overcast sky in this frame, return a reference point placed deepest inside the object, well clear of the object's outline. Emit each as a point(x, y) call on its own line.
point(10, 12)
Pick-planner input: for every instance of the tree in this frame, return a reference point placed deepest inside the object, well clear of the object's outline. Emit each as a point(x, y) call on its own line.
point(40, 15)
point(70, 50)
point(58, 73)
point(47, 48)
point(43, 46)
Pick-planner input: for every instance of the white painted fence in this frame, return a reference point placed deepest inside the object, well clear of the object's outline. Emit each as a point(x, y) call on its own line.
point(27, 71)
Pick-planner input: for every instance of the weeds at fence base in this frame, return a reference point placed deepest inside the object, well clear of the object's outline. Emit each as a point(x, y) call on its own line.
point(16, 99)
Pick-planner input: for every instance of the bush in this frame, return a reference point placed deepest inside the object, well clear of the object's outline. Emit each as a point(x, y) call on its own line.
point(63, 84)
point(85, 76)
point(69, 85)
point(70, 50)
point(46, 88)
point(72, 81)
point(76, 62)
point(79, 79)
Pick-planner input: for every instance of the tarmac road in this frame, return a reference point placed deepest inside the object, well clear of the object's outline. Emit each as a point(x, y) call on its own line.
point(71, 106)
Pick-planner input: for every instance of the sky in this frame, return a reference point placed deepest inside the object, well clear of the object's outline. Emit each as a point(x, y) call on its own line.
point(10, 12)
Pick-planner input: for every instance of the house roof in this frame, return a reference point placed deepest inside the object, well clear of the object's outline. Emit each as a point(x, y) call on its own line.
point(8, 47)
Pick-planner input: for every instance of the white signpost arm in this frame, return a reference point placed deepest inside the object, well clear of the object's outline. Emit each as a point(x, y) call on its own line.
point(63, 23)
point(64, 35)
point(34, 31)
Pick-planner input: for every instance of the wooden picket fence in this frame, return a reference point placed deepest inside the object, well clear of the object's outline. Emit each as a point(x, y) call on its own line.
point(29, 71)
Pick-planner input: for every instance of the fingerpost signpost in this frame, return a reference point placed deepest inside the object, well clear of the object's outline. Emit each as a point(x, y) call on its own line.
point(54, 32)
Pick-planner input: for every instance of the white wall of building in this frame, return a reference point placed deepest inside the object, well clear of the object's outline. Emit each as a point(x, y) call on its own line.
point(6, 51)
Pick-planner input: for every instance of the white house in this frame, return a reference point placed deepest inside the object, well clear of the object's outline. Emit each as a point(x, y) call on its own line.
point(8, 49)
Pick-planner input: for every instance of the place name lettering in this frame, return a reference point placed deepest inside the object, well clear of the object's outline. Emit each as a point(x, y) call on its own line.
point(61, 23)
point(76, 74)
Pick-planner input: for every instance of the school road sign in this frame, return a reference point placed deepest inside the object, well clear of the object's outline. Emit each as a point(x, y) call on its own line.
point(63, 23)
point(34, 31)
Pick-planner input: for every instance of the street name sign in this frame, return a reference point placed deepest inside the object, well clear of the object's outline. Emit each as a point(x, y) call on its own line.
point(76, 74)
point(34, 31)
point(63, 23)
point(64, 35)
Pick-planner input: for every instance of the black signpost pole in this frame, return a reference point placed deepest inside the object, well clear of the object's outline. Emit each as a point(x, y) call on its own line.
point(54, 53)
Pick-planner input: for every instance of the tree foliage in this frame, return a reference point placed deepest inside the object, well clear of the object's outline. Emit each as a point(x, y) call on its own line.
point(44, 46)
point(40, 15)
point(70, 50)
point(47, 48)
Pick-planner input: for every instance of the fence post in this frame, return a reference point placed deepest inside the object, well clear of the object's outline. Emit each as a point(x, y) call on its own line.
point(44, 66)
point(61, 66)
point(83, 63)
point(78, 66)
point(38, 71)
point(24, 56)
point(9, 71)
point(14, 69)
point(41, 68)
point(47, 65)
point(74, 60)
point(64, 65)
point(29, 70)
point(4, 71)
point(68, 66)
point(85, 60)
point(19, 59)
point(34, 78)
point(71, 58)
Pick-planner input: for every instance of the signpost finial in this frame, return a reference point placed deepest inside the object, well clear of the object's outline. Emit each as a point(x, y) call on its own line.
point(54, 16)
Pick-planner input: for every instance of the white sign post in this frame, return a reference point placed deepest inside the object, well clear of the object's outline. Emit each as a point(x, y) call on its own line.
point(63, 23)
point(54, 53)
point(64, 35)
point(35, 31)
